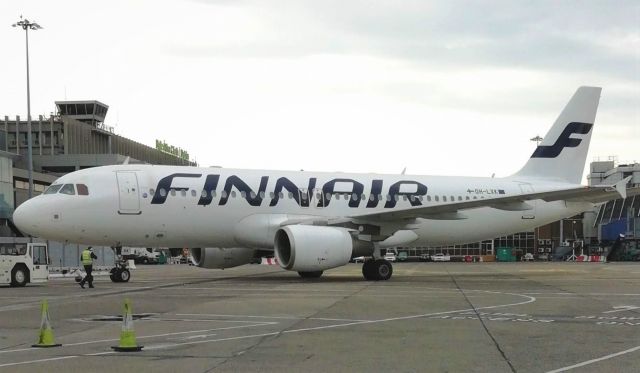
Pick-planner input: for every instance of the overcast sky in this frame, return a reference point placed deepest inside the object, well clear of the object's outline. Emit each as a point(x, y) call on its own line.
point(439, 87)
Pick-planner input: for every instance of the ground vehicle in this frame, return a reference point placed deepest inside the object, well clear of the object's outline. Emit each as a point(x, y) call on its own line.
point(21, 263)
point(141, 255)
point(390, 256)
point(402, 256)
point(425, 257)
point(440, 257)
point(528, 257)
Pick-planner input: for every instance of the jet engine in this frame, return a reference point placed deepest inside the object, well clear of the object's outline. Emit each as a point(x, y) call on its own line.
point(219, 258)
point(308, 248)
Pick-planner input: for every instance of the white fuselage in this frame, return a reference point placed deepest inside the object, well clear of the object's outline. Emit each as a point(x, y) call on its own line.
point(130, 205)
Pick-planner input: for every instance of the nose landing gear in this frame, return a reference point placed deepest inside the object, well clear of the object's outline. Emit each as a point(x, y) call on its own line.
point(377, 270)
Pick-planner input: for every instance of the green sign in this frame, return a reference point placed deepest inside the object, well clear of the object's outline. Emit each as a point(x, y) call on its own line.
point(178, 152)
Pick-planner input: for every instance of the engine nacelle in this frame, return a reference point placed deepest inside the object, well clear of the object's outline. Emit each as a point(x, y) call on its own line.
point(218, 258)
point(308, 248)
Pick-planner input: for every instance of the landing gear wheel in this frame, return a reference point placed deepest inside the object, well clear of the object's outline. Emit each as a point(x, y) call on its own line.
point(18, 276)
point(314, 274)
point(377, 270)
point(367, 270)
point(115, 275)
point(125, 275)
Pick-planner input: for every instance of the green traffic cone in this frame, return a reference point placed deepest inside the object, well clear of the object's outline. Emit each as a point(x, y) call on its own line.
point(46, 333)
point(127, 335)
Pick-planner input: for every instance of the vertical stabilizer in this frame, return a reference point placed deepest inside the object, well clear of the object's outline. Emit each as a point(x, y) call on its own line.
point(563, 152)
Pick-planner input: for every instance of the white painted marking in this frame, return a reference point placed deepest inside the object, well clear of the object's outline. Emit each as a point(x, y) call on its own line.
point(530, 300)
point(564, 369)
point(143, 337)
point(267, 317)
point(622, 309)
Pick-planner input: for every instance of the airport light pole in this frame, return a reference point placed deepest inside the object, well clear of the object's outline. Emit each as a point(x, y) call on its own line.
point(26, 26)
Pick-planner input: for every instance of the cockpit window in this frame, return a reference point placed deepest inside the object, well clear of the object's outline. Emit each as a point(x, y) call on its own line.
point(68, 189)
point(82, 190)
point(53, 189)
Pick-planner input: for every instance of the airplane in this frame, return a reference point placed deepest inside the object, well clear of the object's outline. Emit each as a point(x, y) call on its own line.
point(315, 221)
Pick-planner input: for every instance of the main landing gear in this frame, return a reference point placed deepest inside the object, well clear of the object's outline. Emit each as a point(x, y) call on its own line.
point(377, 270)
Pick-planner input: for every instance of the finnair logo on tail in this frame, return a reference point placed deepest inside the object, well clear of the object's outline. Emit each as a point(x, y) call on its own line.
point(563, 141)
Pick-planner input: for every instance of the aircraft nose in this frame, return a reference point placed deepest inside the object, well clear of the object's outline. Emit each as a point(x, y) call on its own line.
point(25, 217)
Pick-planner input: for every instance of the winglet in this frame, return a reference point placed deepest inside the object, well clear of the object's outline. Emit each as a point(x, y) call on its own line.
point(621, 187)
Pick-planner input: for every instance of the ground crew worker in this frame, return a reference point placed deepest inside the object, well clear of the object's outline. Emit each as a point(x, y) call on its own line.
point(87, 258)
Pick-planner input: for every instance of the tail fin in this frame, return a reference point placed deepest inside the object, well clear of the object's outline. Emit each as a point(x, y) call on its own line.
point(563, 152)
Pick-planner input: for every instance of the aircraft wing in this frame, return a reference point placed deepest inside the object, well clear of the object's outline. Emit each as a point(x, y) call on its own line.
point(452, 211)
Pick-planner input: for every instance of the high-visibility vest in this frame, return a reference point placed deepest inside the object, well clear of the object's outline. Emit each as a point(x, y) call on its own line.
point(86, 258)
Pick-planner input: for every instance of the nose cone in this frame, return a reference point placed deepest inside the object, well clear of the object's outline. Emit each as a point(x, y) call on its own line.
point(26, 217)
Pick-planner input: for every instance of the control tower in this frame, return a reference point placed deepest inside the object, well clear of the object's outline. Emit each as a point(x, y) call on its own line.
point(88, 111)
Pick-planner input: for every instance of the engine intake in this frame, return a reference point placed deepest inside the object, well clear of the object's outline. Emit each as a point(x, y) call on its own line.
point(218, 258)
point(308, 248)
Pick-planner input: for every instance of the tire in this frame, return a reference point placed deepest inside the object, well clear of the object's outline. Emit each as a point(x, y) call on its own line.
point(125, 275)
point(382, 269)
point(367, 270)
point(314, 274)
point(19, 276)
point(145, 261)
point(115, 275)
point(377, 270)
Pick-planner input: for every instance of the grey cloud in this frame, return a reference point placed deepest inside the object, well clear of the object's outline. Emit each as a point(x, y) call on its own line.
point(561, 36)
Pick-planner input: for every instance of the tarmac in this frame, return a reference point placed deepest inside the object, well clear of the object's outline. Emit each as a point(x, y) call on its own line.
point(430, 317)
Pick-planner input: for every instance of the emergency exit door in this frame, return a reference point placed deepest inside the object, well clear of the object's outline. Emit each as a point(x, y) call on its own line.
point(527, 188)
point(128, 193)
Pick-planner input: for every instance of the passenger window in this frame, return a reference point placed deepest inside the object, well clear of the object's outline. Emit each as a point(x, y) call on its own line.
point(193, 192)
point(290, 195)
point(364, 197)
point(474, 197)
point(444, 198)
point(280, 195)
point(243, 194)
point(223, 194)
point(453, 198)
point(82, 190)
point(152, 192)
point(233, 194)
point(437, 198)
point(183, 193)
point(53, 189)
point(404, 198)
point(428, 198)
point(261, 194)
point(213, 194)
point(272, 195)
point(163, 193)
point(354, 196)
point(173, 192)
point(420, 198)
point(327, 196)
point(371, 197)
point(68, 189)
point(203, 194)
point(396, 197)
point(467, 198)
point(459, 198)
point(379, 197)
point(388, 197)
point(318, 196)
point(252, 194)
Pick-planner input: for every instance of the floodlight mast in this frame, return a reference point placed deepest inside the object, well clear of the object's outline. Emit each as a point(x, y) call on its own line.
point(26, 26)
